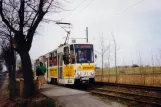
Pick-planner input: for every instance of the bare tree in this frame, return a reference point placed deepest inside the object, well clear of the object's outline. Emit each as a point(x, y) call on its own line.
point(152, 59)
point(115, 55)
point(109, 64)
point(104, 49)
point(1, 67)
point(22, 17)
point(8, 56)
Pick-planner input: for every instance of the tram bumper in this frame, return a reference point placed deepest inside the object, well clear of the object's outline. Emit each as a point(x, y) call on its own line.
point(84, 80)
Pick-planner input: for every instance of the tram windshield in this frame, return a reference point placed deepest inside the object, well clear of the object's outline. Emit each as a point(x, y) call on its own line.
point(84, 53)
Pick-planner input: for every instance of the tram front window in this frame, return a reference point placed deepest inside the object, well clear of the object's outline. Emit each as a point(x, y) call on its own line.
point(84, 55)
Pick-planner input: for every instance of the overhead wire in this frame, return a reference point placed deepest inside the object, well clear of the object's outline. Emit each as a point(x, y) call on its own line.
point(117, 13)
point(91, 2)
point(131, 6)
point(75, 8)
point(85, 7)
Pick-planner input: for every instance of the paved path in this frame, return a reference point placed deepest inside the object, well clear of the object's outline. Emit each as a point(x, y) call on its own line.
point(67, 97)
point(3, 89)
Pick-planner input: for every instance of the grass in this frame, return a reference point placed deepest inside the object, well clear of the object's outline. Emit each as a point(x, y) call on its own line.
point(134, 70)
point(147, 76)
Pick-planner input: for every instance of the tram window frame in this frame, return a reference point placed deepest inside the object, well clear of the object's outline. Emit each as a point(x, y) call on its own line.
point(66, 49)
point(50, 58)
point(54, 57)
point(66, 55)
point(72, 58)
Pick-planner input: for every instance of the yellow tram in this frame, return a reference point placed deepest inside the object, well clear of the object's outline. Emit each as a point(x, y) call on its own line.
point(69, 64)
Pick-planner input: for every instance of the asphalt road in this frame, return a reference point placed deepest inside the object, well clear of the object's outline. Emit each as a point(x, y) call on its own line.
point(2, 79)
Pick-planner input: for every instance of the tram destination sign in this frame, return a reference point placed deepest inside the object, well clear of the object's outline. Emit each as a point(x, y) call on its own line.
point(83, 46)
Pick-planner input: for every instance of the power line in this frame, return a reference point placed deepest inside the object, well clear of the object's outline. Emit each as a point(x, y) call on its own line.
point(85, 6)
point(91, 2)
point(79, 5)
point(131, 6)
point(75, 8)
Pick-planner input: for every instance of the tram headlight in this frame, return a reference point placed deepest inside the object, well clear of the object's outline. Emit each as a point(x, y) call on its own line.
point(92, 73)
point(78, 73)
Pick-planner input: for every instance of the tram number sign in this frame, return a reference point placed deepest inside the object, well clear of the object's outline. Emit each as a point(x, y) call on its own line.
point(83, 46)
point(85, 73)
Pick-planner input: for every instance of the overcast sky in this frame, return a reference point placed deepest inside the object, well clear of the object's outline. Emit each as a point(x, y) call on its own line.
point(135, 24)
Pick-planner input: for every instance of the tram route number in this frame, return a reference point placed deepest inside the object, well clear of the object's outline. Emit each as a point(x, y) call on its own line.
point(69, 81)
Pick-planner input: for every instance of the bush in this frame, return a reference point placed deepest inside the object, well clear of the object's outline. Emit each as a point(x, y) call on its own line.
point(135, 65)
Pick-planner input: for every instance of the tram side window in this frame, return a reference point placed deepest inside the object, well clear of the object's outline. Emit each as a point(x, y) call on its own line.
point(72, 55)
point(66, 50)
point(66, 55)
point(54, 58)
point(51, 60)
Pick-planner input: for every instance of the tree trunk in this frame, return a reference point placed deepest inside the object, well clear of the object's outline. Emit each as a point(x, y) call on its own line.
point(27, 74)
point(12, 82)
point(12, 79)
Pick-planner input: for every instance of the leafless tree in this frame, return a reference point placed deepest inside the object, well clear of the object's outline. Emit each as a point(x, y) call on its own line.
point(109, 64)
point(22, 17)
point(1, 67)
point(152, 59)
point(9, 59)
point(115, 46)
point(104, 48)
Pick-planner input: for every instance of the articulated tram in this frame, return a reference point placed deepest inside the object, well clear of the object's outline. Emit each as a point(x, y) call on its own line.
point(69, 64)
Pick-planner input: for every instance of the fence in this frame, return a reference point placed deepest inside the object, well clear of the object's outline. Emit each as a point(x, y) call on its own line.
point(146, 76)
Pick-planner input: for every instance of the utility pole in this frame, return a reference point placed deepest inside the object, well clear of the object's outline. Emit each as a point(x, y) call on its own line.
point(87, 34)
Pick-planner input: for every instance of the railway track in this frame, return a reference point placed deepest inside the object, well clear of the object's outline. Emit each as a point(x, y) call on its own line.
point(154, 101)
point(112, 91)
point(158, 89)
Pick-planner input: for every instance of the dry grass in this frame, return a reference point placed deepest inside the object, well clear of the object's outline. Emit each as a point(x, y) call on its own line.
point(147, 76)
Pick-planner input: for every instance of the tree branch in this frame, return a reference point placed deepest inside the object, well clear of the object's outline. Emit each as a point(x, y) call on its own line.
point(37, 19)
point(21, 16)
point(3, 18)
point(49, 6)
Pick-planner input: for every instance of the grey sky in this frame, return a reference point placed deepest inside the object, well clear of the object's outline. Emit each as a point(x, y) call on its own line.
point(136, 28)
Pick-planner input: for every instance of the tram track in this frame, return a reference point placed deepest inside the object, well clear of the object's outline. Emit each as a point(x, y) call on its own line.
point(131, 93)
point(154, 101)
